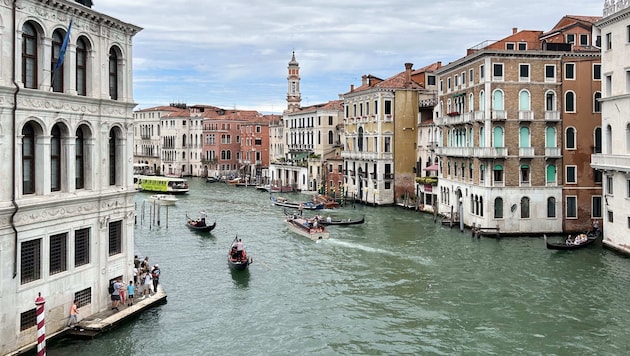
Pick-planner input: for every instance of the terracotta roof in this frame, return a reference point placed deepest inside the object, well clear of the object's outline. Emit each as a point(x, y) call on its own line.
point(401, 80)
point(331, 105)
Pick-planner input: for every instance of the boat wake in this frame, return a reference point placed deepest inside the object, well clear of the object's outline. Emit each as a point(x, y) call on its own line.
point(420, 259)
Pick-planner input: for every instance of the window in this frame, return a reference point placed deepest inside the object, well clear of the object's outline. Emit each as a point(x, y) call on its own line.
point(113, 74)
point(29, 56)
point(610, 216)
point(83, 297)
point(551, 207)
point(431, 80)
point(570, 139)
point(30, 260)
point(523, 72)
point(388, 107)
point(570, 38)
point(79, 162)
point(497, 71)
point(597, 72)
point(571, 174)
point(81, 247)
point(55, 159)
point(569, 71)
point(498, 208)
point(569, 101)
point(481, 173)
point(597, 105)
point(609, 41)
point(28, 159)
point(481, 73)
point(360, 140)
point(471, 76)
point(448, 84)
point(113, 138)
point(28, 319)
point(498, 173)
point(583, 40)
point(571, 207)
point(522, 46)
point(509, 46)
point(596, 206)
point(550, 73)
point(58, 253)
point(81, 70)
point(609, 185)
point(524, 208)
point(387, 147)
point(56, 72)
point(551, 174)
point(525, 173)
point(115, 237)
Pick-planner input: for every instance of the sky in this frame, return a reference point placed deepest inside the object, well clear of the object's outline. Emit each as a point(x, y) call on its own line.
point(234, 54)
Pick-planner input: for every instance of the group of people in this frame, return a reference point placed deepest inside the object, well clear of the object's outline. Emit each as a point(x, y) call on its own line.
point(578, 240)
point(238, 251)
point(145, 283)
point(200, 221)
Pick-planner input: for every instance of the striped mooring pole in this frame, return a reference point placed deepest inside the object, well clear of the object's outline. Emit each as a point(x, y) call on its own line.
point(41, 325)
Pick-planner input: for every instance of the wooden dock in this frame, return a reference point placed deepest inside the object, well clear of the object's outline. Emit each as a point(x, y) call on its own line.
point(98, 323)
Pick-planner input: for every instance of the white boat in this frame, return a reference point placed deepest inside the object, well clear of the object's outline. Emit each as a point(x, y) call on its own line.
point(163, 199)
point(305, 228)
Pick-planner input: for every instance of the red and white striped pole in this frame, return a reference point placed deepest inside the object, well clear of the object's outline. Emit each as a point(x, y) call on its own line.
point(41, 325)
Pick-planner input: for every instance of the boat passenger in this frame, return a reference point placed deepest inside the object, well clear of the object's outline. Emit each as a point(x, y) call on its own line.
point(239, 249)
point(328, 219)
point(569, 240)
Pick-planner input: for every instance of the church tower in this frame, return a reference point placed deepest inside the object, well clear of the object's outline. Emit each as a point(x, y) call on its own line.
point(293, 81)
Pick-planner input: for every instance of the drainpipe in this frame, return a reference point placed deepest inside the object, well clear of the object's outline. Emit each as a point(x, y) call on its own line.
point(16, 207)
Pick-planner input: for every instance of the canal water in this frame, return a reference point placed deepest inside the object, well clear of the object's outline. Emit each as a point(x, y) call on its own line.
point(399, 284)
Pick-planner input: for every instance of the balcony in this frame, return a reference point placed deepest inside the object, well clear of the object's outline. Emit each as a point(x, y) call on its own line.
point(553, 152)
point(607, 162)
point(388, 175)
point(526, 115)
point(480, 115)
point(526, 152)
point(499, 115)
point(552, 116)
point(491, 152)
point(455, 151)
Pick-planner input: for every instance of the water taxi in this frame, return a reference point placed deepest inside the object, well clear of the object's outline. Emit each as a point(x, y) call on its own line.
point(157, 184)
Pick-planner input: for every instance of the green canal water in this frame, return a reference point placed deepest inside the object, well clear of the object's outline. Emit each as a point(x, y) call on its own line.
point(399, 284)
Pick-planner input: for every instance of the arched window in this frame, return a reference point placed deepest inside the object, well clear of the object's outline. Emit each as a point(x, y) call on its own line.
point(498, 208)
point(57, 73)
point(551, 207)
point(79, 160)
point(330, 137)
point(360, 140)
point(550, 137)
point(113, 138)
point(551, 174)
point(28, 159)
point(497, 137)
point(471, 102)
point(482, 136)
point(29, 56)
point(482, 101)
point(55, 159)
point(550, 101)
point(523, 101)
point(184, 141)
point(597, 139)
point(497, 100)
point(524, 208)
point(481, 206)
point(570, 143)
point(597, 105)
point(81, 70)
point(569, 101)
point(113, 74)
point(524, 137)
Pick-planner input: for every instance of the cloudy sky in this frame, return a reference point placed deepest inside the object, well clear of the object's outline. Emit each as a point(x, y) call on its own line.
point(234, 53)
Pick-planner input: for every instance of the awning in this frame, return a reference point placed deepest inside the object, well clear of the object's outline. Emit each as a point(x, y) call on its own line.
point(432, 168)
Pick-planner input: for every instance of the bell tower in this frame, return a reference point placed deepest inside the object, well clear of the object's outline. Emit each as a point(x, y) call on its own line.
point(294, 98)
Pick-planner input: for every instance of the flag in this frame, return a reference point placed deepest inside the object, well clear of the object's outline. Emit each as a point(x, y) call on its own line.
point(64, 45)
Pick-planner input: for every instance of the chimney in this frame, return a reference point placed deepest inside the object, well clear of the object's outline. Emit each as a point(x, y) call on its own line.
point(408, 72)
point(351, 88)
point(514, 30)
point(363, 79)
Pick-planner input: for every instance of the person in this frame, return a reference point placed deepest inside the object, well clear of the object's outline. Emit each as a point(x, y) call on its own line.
point(72, 319)
point(155, 275)
point(315, 225)
point(116, 295)
point(328, 219)
point(131, 288)
point(136, 261)
point(145, 264)
point(122, 291)
point(300, 208)
point(147, 285)
point(239, 249)
point(595, 225)
point(203, 218)
point(569, 240)
point(135, 275)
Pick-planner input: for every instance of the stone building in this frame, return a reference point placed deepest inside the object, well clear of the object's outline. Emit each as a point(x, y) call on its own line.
point(66, 188)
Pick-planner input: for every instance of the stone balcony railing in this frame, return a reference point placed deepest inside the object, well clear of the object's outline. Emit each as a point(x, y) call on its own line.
point(612, 6)
point(608, 162)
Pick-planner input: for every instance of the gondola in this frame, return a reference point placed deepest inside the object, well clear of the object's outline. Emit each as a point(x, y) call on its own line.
point(234, 260)
point(199, 225)
point(591, 237)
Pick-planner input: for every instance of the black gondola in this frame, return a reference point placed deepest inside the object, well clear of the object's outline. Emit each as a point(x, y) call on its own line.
point(199, 224)
point(591, 237)
point(238, 260)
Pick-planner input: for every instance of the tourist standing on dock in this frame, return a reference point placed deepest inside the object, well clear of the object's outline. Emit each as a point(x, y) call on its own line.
point(116, 295)
point(145, 264)
point(72, 319)
point(155, 275)
point(131, 288)
point(147, 285)
point(122, 291)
